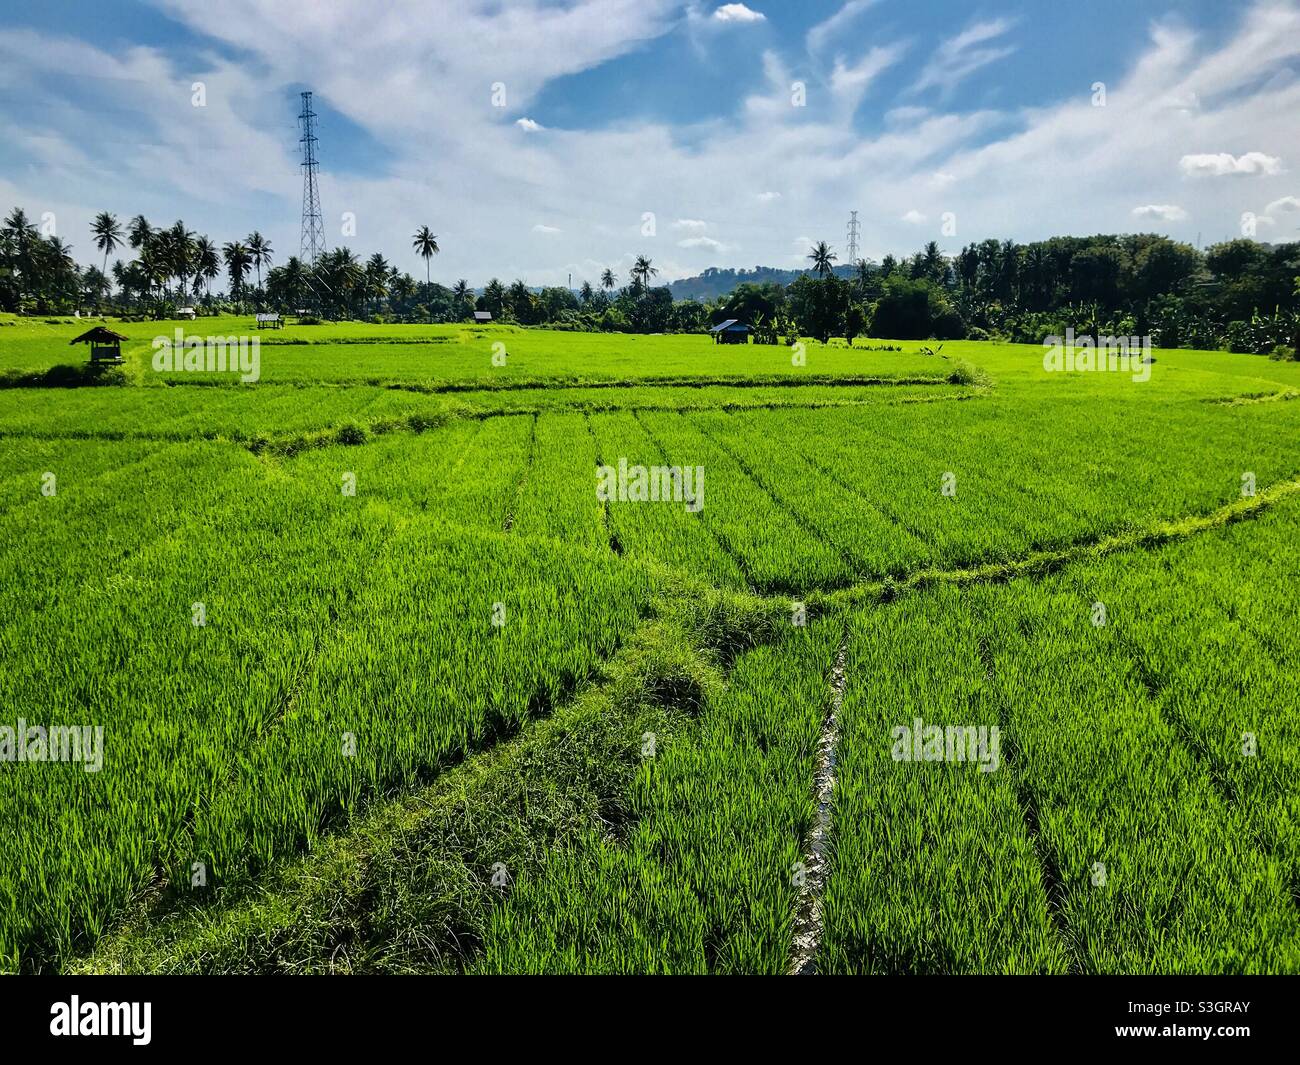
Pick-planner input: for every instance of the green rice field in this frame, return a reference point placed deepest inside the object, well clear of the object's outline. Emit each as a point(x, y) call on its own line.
point(383, 684)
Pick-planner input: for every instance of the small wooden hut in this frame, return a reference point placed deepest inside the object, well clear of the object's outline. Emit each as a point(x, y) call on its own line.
point(730, 332)
point(105, 345)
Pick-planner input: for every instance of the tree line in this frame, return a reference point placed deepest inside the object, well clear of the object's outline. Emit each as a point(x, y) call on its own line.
point(1241, 295)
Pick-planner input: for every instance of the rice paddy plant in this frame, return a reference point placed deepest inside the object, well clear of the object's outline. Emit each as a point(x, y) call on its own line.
point(779, 553)
point(705, 877)
point(559, 499)
point(1159, 869)
point(664, 531)
point(933, 868)
point(259, 673)
point(285, 603)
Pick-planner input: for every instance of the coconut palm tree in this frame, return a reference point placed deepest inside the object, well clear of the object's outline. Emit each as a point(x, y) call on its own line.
point(207, 264)
point(341, 276)
point(642, 270)
point(139, 231)
point(862, 274)
point(108, 235)
point(608, 279)
point(237, 264)
point(179, 253)
point(94, 284)
point(1037, 272)
point(54, 275)
point(18, 226)
point(375, 282)
point(823, 258)
point(426, 245)
point(494, 297)
point(119, 275)
point(968, 268)
point(286, 284)
point(401, 287)
point(259, 253)
point(521, 301)
point(21, 237)
point(990, 253)
point(1009, 269)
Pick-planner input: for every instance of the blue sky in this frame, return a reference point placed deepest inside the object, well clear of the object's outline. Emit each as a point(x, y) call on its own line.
point(700, 134)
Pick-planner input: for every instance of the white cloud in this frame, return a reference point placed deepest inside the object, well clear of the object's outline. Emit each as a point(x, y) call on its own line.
point(941, 179)
point(692, 224)
point(1186, 104)
point(528, 125)
point(1165, 212)
point(906, 115)
point(850, 83)
point(737, 13)
point(702, 242)
point(831, 29)
point(547, 230)
point(1224, 163)
point(449, 159)
point(913, 217)
point(1286, 203)
point(775, 103)
point(957, 58)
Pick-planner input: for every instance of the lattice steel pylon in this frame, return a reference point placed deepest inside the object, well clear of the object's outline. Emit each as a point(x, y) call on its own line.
point(853, 237)
point(312, 245)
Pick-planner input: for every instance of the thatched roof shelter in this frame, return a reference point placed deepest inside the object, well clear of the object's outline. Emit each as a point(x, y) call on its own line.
point(105, 345)
point(99, 335)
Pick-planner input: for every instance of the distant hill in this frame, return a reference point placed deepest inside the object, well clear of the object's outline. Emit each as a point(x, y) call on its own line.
point(715, 282)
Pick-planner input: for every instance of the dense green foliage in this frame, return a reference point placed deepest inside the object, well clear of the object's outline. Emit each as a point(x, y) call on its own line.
point(1240, 295)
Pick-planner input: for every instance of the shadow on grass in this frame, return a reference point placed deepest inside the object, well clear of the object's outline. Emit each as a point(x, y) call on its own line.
point(80, 375)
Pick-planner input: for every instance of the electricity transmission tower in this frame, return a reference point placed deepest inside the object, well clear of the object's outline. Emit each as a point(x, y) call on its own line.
point(312, 244)
point(853, 237)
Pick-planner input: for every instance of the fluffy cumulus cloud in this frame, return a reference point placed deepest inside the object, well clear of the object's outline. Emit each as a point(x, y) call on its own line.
point(1164, 212)
point(1222, 164)
point(444, 105)
point(702, 242)
point(738, 13)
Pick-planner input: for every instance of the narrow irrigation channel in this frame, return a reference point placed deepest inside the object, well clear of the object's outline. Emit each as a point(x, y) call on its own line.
point(808, 920)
